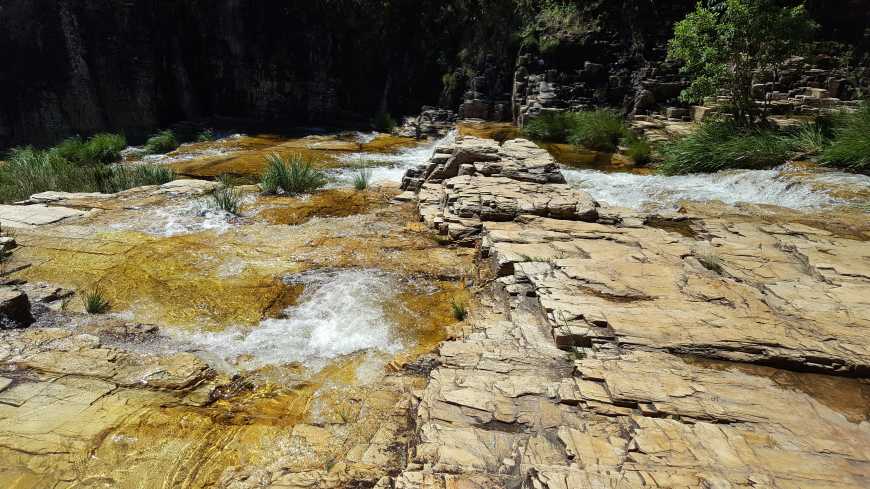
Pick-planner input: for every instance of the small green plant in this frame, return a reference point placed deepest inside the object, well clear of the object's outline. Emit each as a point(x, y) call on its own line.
point(362, 178)
point(639, 149)
point(808, 139)
point(721, 144)
point(205, 136)
point(95, 302)
point(162, 142)
point(384, 122)
point(460, 312)
point(850, 147)
point(709, 259)
point(227, 197)
point(293, 175)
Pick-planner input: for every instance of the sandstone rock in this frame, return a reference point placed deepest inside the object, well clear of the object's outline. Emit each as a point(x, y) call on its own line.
point(35, 215)
point(14, 309)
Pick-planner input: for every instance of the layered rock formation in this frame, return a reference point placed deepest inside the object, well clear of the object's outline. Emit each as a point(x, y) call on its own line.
point(620, 353)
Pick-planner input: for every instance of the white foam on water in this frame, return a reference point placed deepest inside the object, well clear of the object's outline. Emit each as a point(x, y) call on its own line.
point(773, 187)
point(341, 312)
point(386, 167)
point(186, 217)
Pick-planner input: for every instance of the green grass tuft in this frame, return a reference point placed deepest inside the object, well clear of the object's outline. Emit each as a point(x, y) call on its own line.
point(719, 145)
point(227, 199)
point(205, 136)
point(384, 122)
point(460, 312)
point(293, 175)
point(850, 148)
point(362, 178)
point(102, 148)
point(599, 130)
point(95, 302)
point(162, 142)
point(639, 149)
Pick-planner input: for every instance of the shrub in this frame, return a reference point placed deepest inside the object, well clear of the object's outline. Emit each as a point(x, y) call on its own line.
point(293, 175)
point(102, 148)
point(362, 178)
point(95, 302)
point(850, 148)
point(639, 149)
point(162, 142)
point(384, 122)
point(205, 136)
point(718, 145)
point(808, 139)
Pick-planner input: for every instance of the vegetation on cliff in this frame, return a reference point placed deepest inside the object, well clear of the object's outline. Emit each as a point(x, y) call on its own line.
point(723, 45)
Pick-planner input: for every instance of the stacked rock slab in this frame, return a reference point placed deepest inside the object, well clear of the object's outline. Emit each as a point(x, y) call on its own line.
point(615, 354)
point(474, 180)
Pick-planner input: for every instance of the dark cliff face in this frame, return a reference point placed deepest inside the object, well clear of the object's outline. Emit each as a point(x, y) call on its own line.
point(81, 66)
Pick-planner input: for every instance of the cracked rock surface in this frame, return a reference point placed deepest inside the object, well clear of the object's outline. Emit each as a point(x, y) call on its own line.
point(623, 354)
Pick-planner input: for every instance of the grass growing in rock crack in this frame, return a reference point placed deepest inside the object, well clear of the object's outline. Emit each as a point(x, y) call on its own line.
point(850, 147)
point(162, 142)
point(362, 178)
point(720, 144)
point(293, 175)
point(28, 171)
point(227, 198)
point(460, 312)
point(95, 302)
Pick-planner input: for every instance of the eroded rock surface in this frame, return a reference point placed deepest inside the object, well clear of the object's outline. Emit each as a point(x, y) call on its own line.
point(649, 351)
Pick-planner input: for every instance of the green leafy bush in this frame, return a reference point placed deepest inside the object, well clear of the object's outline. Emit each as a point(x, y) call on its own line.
point(162, 142)
point(205, 136)
point(293, 175)
point(850, 148)
point(720, 144)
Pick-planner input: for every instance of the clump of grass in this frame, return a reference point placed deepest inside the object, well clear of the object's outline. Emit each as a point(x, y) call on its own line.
point(850, 148)
point(293, 175)
point(719, 145)
point(162, 142)
point(808, 139)
point(460, 312)
point(639, 149)
point(28, 171)
point(554, 127)
point(227, 199)
point(599, 130)
point(102, 148)
point(384, 122)
point(709, 259)
point(205, 136)
point(362, 178)
point(95, 302)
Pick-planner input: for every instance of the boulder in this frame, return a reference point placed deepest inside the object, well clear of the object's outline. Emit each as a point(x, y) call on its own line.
point(14, 309)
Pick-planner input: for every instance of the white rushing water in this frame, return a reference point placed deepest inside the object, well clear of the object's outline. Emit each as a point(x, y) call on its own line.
point(386, 167)
point(340, 312)
point(184, 217)
point(773, 187)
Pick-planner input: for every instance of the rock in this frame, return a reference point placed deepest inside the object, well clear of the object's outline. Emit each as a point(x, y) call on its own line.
point(35, 215)
point(14, 309)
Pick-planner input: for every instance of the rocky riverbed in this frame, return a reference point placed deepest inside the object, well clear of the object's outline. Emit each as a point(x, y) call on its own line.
point(310, 342)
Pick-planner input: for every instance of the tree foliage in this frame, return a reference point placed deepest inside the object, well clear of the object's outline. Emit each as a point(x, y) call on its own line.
point(722, 44)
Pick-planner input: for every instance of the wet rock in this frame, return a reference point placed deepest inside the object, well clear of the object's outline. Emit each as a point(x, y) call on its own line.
point(14, 309)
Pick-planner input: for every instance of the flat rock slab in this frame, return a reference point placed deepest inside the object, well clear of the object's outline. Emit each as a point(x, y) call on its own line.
point(35, 215)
